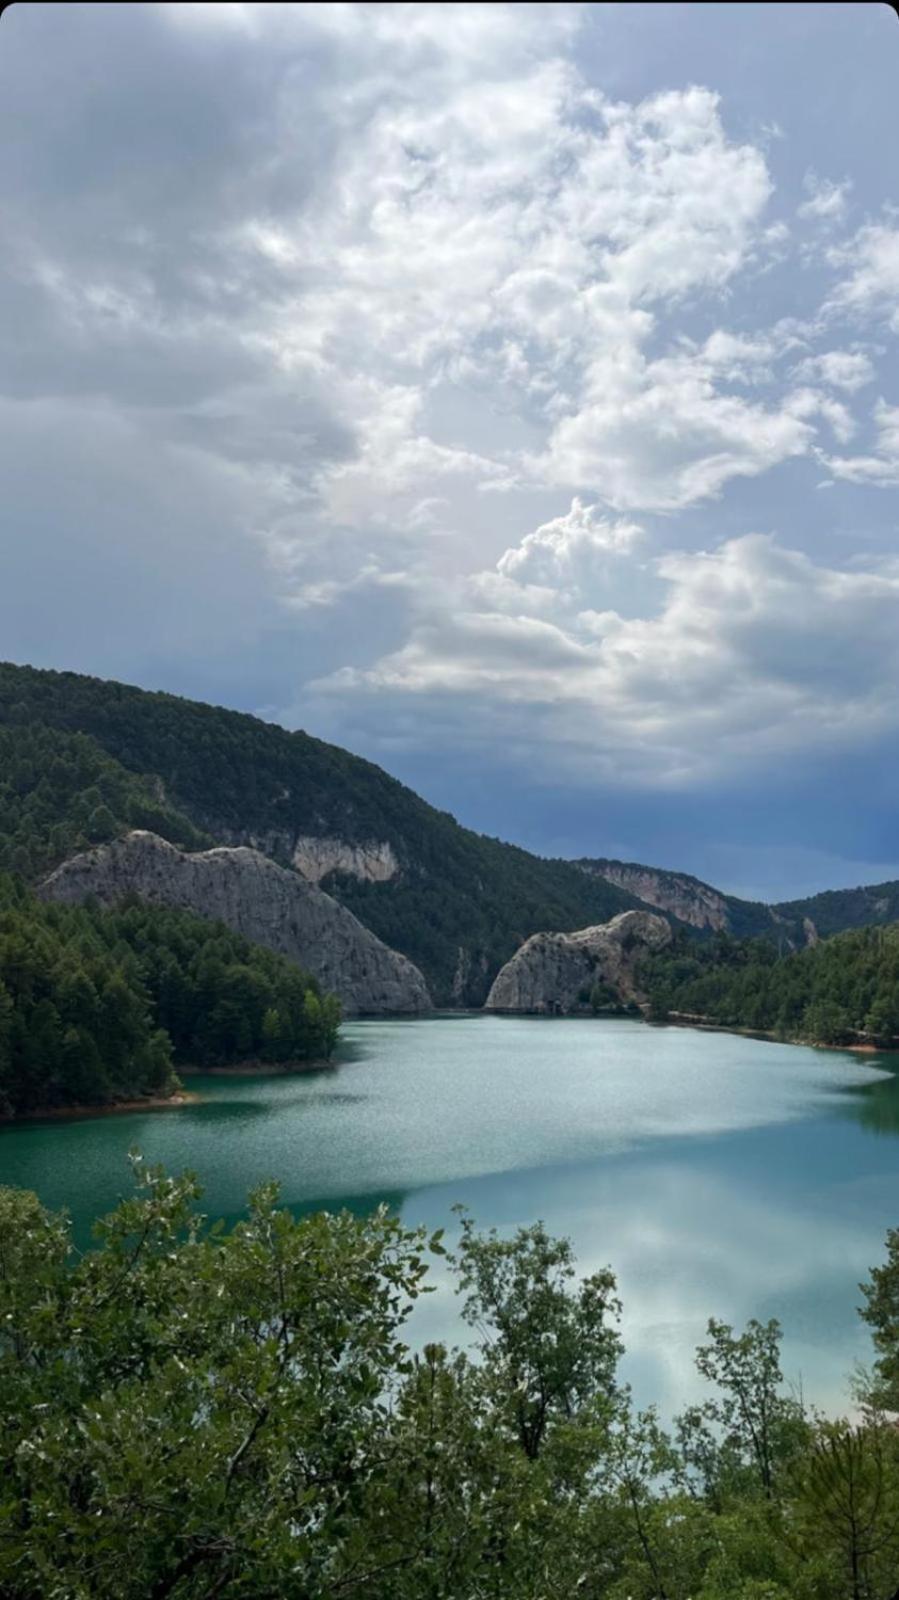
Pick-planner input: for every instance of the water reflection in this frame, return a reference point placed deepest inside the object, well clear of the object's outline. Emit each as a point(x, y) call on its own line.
point(694, 1233)
point(717, 1175)
point(876, 1105)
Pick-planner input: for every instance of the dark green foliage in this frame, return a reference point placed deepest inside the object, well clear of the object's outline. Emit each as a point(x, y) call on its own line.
point(550, 1349)
point(194, 1413)
point(881, 1312)
point(60, 792)
point(461, 903)
point(601, 997)
point(840, 991)
point(838, 909)
point(76, 1024)
point(219, 998)
point(747, 1436)
point(96, 1006)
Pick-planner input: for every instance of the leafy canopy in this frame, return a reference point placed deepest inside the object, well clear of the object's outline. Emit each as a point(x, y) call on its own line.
point(192, 1412)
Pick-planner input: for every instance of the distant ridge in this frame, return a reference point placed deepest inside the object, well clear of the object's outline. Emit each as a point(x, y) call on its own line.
point(86, 761)
point(689, 899)
point(794, 922)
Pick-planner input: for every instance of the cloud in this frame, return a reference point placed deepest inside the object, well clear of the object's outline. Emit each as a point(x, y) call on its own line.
point(756, 654)
point(567, 552)
point(476, 219)
point(415, 255)
point(613, 208)
point(662, 435)
point(428, 334)
point(827, 200)
point(840, 369)
point(871, 288)
point(881, 467)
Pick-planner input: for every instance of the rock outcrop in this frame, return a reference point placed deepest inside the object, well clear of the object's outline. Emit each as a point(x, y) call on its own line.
point(552, 972)
point(267, 904)
point(373, 862)
point(687, 898)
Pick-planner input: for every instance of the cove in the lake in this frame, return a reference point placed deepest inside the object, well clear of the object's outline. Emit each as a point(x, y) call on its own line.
point(718, 1175)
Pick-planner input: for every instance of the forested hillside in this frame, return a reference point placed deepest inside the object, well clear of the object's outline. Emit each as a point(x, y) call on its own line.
point(60, 792)
point(837, 909)
point(841, 991)
point(459, 905)
point(82, 760)
point(98, 1006)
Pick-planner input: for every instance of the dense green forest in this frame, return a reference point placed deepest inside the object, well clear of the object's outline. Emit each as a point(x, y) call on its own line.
point(60, 793)
point(82, 760)
point(99, 1006)
point(240, 780)
point(839, 991)
point(838, 909)
point(192, 1413)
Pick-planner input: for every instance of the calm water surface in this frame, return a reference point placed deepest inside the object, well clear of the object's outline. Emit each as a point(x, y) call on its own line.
point(717, 1175)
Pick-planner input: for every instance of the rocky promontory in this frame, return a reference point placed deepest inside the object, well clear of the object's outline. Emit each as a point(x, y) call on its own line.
point(267, 904)
point(553, 972)
point(687, 898)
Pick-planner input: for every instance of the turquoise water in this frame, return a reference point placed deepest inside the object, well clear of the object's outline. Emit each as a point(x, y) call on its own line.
point(717, 1175)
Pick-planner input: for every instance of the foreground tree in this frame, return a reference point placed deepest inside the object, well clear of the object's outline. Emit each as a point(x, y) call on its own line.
point(747, 1435)
point(551, 1352)
point(847, 1511)
point(881, 1312)
point(192, 1413)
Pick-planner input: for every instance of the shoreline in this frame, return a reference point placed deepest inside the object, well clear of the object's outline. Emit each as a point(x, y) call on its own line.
point(684, 1019)
point(157, 1102)
point(689, 1019)
point(169, 1102)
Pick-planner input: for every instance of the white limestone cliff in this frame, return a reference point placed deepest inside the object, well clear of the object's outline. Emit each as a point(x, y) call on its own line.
point(551, 971)
point(267, 904)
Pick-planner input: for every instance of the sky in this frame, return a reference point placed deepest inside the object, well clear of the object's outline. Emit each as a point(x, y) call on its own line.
point(505, 393)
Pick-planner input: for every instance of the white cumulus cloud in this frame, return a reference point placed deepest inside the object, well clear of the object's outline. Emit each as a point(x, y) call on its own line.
point(755, 653)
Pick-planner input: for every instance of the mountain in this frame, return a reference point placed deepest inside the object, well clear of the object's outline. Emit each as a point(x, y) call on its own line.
point(687, 898)
point(835, 910)
point(86, 761)
point(791, 923)
point(267, 905)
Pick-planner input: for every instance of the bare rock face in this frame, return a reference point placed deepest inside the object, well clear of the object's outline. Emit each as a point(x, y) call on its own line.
point(253, 896)
point(686, 898)
point(551, 970)
point(315, 857)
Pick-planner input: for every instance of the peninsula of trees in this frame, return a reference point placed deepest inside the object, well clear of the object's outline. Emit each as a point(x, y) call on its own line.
point(99, 1007)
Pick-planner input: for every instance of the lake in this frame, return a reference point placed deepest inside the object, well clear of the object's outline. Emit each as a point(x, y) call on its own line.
point(718, 1175)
